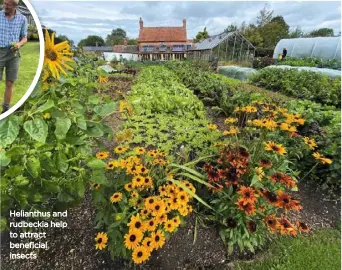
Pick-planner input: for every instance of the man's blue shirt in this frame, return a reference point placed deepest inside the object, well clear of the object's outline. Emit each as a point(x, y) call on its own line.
point(12, 30)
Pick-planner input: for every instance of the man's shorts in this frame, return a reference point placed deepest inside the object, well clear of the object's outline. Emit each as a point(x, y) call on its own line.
point(10, 63)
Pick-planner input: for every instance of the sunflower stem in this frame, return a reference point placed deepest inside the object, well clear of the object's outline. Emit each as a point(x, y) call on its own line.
point(308, 172)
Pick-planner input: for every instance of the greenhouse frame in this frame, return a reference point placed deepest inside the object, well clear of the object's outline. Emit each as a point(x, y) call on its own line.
point(320, 47)
point(232, 46)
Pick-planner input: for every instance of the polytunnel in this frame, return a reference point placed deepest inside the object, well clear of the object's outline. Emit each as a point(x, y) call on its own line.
point(320, 47)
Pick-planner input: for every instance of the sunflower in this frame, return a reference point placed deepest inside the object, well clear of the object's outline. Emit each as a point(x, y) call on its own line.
point(163, 190)
point(103, 79)
point(265, 163)
point(128, 187)
point(147, 243)
point(148, 182)
point(321, 158)
point(116, 197)
point(151, 225)
point(161, 218)
point(101, 240)
point(303, 227)
point(183, 197)
point(251, 226)
point(140, 169)
point(112, 164)
point(169, 226)
point(248, 195)
point(174, 203)
point(272, 223)
point(137, 181)
point(310, 142)
point(183, 210)
point(95, 186)
point(140, 254)
point(176, 220)
point(232, 130)
point(135, 194)
point(56, 55)
point(149, 202)
point(272, 146)
point(145, 212)
point(158, 239)
point(158, 208)
point(248, 208)
point(260, 172)
point(140, 150)
point(230, 120)
point(102, 155)
point(136, 223)
point(121, 149)
point(212, 126)
point(133, 238)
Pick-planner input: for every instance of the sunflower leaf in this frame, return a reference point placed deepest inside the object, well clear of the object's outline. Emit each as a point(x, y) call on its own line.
point(196, 179)
point(186, 169)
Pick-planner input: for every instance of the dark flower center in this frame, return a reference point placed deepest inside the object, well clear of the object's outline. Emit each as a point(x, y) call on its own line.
point(139, 254)
point(99, 241)
point(151, 201)
point(286, 200)
point(137, 224)
point(157, 238)
point(132, 238)
point(157, 207)
point(51, 54)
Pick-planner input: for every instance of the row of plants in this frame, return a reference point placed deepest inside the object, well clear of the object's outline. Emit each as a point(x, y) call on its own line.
point(261, 62)
point(311, 62)
point(244, 189)
point(323, 122)
point(301, 85)
point(45, 147)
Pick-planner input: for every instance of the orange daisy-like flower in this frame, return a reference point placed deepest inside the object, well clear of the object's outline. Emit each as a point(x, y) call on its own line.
point(136, 223)
point(248, 208)
point(303, 227)
point(116, 197)
point(248, 195)
point(158, 239)
point(321, 158)
point(95, 186)
point(310, 142)
point(121, 149)
point(286, 227)
point(140, 150)
point(102, 155)
point(251, 226)
point(269, 195)
point(212, 126)
point(265, 163)
point(286, 202)
point(277, 148)
point(284, 179)
point(133, 238)
point(272, 223)
point(138, 181)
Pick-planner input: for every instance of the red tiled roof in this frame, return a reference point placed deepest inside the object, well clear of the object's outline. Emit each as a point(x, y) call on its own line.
point(167, 34)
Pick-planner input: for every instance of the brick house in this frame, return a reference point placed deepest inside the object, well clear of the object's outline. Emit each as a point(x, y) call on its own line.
point(162, 43)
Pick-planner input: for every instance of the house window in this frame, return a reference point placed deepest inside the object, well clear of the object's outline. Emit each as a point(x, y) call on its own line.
point(148, 48)
point(178, 48)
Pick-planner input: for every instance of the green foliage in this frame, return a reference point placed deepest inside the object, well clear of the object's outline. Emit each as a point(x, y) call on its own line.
point(321, 250)
point(91, 40)
point(116, 37)
point(311, 62)
point(201, 35)
point(322, 32)
point(301, 84)
point(44, 147)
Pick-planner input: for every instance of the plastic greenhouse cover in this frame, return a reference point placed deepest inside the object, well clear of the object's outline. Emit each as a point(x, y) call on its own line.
point(107, 68)
point(236, 72)
point(320, 47)
point(326, 71)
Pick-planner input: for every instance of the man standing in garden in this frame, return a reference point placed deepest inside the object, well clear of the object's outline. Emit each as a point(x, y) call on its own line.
point(13, 35)
point(284, 54)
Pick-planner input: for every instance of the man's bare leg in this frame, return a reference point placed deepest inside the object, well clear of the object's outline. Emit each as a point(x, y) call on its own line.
point(8, 95)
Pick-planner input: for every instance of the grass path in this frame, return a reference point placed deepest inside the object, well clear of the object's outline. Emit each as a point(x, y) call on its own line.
point(28, 67)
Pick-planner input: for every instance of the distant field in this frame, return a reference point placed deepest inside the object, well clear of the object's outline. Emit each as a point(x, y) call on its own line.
point(28, 67)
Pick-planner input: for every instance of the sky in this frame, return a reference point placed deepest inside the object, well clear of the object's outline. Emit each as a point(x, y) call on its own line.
point(78, 19)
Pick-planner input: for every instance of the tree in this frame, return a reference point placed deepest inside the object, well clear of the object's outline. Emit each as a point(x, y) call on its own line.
point(274, 31)
point(231, 28)
point(201, 35)
point(265, 16)
point(322, 32)
point(296, 33)
point(91, 40)
point(62, 38)
point(116, 37)
point(132, 42)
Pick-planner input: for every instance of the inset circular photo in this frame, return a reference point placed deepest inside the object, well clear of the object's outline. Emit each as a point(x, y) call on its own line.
point(21, 53)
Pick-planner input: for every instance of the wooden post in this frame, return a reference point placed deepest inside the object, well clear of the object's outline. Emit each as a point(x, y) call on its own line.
point(227, 43)
point(240, 50)
point(247, 53)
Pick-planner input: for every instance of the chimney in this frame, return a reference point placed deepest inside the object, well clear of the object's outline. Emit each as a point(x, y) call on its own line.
point(184, 23)
point(125, 42)
point(141, 23)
